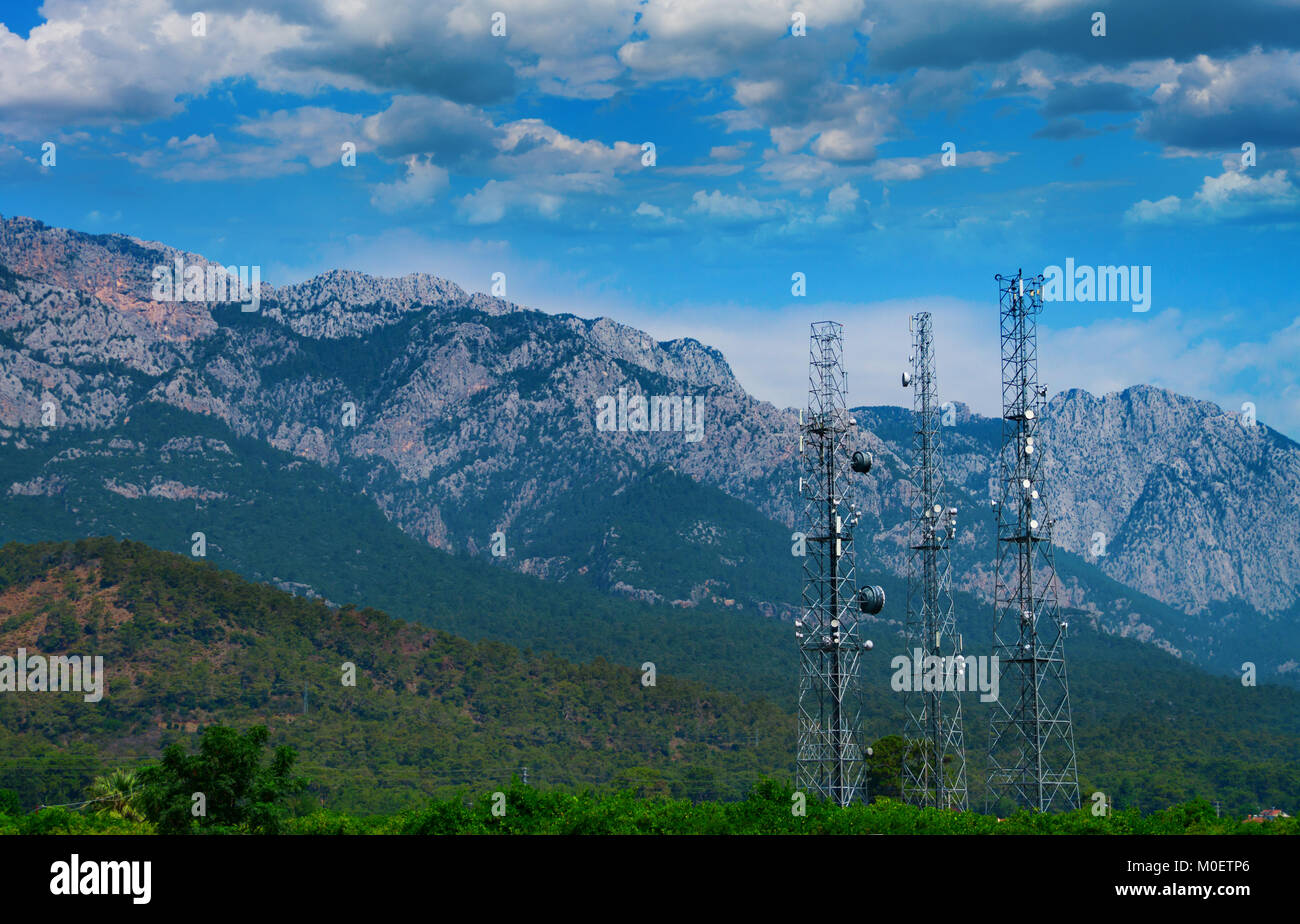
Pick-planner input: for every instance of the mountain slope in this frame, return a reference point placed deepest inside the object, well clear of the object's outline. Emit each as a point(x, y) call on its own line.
point(475, 417)
point(185, 644)
point(275, 518)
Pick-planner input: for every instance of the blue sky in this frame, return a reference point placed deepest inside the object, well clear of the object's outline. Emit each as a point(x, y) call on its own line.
point(775, 153)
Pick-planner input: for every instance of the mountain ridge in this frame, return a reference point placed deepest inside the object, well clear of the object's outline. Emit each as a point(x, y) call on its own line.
point(475, 417)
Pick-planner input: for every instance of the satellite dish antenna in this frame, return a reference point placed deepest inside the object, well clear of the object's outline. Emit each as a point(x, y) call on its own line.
point(871, 600)
point(907, 379)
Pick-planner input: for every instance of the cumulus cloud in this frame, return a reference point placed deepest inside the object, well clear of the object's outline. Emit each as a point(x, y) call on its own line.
point(120, 61)
point(542, 168)
point(728, 151)
point(726, 36)
point(421, 184)
point(1234, 195)
point(530, 145)
point(1170, 348)
point(136, 60)
point(449, 133)
point(409, 47)
point(842, 200)
point(897, 169)
point(727, 209)
point(800, 170)
point(197, 158)
point(123, 61)
point(540, 196)
point(654, 218)
point(438, 94)
point(1218, 104)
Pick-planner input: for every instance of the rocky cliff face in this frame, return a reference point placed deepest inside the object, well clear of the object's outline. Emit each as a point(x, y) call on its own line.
point(1170, 495)
point(1194, 505)
point(458, 413)
point(462, 415)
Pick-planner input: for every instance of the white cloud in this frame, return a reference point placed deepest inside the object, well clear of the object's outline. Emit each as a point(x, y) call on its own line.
point(713, 39)
point(1233, 195)
point(728, 151)
point(1197, 356)
point(702, 170)
point(1147, 211)
point(800, 170)
point(448, 132)
point(843, 145)
point(1216, 103)
point(721, 207)
point(896, 169)
point(1169, 348)
point(542, 196)
point(198, 158)
point(531, 146)
point(124, 60)
point(654, 218)
point(769, 353)
point(422, 183)
point(842, 199)
point(313, 133)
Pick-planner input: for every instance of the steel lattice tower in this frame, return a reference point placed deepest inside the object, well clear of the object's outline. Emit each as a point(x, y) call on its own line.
point(830, 753)
point(1031, 747)
point(934, 753)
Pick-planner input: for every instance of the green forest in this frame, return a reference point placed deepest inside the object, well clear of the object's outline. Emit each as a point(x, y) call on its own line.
point(433, 721)
point(230, 785)
point(765, 811)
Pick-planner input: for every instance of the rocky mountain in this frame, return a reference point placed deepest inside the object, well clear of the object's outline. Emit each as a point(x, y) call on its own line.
point(478, 426)
point(1169, 496)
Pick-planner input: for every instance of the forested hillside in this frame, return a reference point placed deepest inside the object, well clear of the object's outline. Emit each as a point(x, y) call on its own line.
point(186, 645)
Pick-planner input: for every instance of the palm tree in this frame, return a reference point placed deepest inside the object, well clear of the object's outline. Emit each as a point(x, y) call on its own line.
point(115, 792)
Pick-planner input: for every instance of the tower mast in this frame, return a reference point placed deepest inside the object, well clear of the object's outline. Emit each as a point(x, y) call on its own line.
point(1032, 758)
point(934, 753)
point(830, 758)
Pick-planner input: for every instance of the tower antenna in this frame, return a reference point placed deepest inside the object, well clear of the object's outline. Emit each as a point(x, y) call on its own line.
point(1032, 758)
point(934, 752)
point(830, 758)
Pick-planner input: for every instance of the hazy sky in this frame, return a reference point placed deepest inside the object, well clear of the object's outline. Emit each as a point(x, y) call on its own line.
point(775, 153)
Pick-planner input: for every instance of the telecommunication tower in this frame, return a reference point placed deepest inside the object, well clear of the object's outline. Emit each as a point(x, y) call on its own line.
point(1031, 745)
point(830, 758)
point(934, 752)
